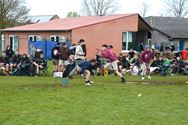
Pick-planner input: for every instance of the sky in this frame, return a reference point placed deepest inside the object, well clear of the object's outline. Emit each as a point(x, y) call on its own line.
point(62, 7)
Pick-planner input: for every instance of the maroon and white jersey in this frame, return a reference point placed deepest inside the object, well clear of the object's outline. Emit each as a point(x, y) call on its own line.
point(146, 56)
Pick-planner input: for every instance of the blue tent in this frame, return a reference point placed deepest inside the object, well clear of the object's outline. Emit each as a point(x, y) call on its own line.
point(46, 46)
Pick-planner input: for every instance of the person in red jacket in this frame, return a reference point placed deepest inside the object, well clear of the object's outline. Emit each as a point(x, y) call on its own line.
point(146, 58)
point(108, 54)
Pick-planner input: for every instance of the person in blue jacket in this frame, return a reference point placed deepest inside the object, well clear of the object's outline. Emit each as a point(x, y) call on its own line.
point(85, 67)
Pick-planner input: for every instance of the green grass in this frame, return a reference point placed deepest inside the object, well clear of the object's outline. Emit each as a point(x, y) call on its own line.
point(43, 101)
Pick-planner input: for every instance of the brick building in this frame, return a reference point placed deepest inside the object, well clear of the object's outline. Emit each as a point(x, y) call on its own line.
point(123, 31)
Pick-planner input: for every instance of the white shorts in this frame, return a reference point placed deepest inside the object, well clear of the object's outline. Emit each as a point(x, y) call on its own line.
point(112, 65)
point(63, 62)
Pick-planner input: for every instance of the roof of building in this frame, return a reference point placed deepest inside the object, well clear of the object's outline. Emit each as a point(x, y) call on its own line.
point(68, 23)
point(41, 18)
point(174, 27)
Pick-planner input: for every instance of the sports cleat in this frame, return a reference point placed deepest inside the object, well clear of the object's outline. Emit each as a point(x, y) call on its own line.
point(91, 82)
point(123, 81)
point(70, 77)
point(87, 84)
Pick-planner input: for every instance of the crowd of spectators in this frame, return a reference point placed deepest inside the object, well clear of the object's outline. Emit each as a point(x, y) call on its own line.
point(13, 63)
point(66, 60)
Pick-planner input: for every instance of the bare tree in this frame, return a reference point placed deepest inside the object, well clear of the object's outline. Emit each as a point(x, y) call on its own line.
point(12, 13)
point(99, 7)
point(177, 8)
point(72, 14)
point(144, 9)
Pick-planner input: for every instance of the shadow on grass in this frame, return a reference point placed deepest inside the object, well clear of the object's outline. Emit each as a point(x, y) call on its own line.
point(41, 86)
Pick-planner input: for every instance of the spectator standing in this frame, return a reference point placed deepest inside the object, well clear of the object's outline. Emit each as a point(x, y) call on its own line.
point(32, 51)
point(55, 57)
point(64, 54)
point(79, 53)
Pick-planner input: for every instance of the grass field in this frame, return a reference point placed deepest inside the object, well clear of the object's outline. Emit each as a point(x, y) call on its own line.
point(43, 101)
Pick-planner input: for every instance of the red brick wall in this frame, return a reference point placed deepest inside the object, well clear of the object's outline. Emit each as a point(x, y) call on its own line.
point(105, 33)
point(95, 35)
point(23, 38)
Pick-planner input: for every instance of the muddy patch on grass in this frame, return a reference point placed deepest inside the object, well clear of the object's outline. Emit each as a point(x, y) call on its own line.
point(151, 83)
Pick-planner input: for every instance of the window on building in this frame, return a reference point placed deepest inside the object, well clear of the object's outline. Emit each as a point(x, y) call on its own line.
point(34, 38)
point(55, 38)
point(14, 42)
point(2, 42)
point(128, 40)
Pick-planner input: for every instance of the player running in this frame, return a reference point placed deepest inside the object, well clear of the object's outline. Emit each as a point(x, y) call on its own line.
point(108, 54)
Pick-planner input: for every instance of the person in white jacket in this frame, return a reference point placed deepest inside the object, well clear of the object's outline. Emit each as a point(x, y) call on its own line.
point(79, 53)
point(79, 56)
